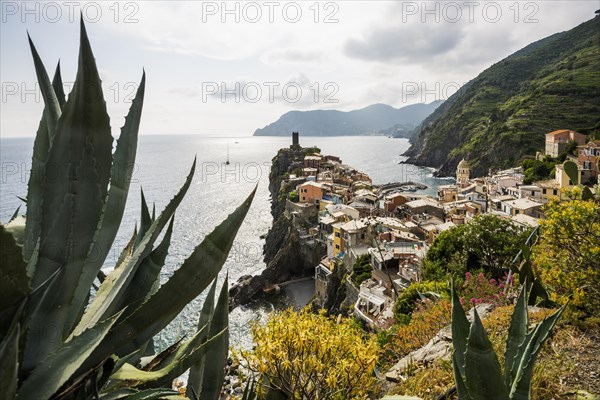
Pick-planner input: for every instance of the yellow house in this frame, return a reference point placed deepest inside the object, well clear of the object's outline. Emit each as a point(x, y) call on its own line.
point(338, 239)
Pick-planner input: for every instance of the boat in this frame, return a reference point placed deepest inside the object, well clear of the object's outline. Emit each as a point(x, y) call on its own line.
point(227, 162)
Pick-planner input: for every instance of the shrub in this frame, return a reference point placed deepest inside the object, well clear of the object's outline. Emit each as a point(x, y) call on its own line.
point(309, 356)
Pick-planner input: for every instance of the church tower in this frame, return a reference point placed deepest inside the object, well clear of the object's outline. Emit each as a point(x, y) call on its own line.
point(462, 172)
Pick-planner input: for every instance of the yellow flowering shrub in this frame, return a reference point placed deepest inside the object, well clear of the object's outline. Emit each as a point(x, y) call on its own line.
point(568, 253)
point(312, 356)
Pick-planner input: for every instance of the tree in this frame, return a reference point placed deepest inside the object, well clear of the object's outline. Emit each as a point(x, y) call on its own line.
point(487, 242)
point(568, 253)
point(311, 356)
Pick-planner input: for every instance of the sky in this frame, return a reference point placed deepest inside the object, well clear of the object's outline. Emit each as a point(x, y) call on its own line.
point(229, 67)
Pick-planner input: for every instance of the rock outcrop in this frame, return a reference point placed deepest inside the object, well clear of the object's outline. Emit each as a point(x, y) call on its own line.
point(287, 256)
point(438, 348)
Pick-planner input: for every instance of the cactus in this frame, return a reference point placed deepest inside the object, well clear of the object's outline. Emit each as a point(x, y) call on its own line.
point(54, 341)
point(475, 365)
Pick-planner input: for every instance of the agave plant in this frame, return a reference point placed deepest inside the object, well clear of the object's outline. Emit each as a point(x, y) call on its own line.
point(476, 368)
point(66, 329)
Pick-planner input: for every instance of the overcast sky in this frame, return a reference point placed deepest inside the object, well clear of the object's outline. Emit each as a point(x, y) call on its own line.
point(219, 68)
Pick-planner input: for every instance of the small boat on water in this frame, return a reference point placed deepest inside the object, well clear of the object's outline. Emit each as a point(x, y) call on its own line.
point(227, 162)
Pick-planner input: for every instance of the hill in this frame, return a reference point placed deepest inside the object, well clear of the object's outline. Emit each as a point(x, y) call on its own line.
point(503, 114)
point(365, 121)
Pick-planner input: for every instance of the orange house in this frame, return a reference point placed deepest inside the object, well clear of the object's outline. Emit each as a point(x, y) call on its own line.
point(310, 192)
point(557, 141)
point(588, 156)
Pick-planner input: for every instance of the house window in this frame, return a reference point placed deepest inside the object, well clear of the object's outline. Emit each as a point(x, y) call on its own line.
point(544, 191)
point(554, 192)
point(337, 246)
point(337, 234)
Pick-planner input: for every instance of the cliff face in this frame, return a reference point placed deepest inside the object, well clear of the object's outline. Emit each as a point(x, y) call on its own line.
point(503, 114)
point(286, 256)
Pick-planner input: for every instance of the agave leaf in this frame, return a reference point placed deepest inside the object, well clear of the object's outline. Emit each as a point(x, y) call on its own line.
point(213, 377)
point(150, 394)
point(14, 282)
point(460, 333)
point(112, 213)
point(196, 371)
point(128, 249)
point(57, 85)
point(186, 354)
point(74, 190)
point(147, 277)
point(118, 394)
point(145, 220)
point(59, 366)
point(521, 384)
point(116, 283)
point(15, 215)
point(194, 275)
point(482, 370)
point(9, 360)
point(516, 335)
point(41, 147)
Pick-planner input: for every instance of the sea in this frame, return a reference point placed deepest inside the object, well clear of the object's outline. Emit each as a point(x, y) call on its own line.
point(162, 164)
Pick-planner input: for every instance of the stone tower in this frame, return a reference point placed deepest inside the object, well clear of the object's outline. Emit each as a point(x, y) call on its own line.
point(462, 172)
point(295, 140)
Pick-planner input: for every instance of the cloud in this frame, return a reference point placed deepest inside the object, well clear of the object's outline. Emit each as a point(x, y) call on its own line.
point(293, 56)
point(405, 43)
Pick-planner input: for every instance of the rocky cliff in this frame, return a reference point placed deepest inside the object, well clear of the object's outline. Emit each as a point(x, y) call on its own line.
point(285, 254)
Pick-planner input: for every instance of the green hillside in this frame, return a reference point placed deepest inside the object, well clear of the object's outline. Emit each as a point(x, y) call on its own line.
point(503, 114)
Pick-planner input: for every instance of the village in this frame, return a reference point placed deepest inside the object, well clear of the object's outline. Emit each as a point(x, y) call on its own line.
point(377, 236)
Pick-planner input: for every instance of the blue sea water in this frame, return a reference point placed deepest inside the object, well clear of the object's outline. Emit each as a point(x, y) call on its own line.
point(217, 189)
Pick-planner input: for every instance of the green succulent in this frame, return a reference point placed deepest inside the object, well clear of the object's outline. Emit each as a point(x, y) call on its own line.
point(477, 372)
point(62, 335)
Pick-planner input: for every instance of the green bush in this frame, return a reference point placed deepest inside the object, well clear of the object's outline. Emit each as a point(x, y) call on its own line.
point(408, 298)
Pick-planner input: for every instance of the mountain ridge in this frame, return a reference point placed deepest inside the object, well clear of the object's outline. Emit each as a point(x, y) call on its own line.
point(501, 116)
point(372, 119)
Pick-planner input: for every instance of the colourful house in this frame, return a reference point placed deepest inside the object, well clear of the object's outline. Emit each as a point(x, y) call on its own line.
point(558, 141)
point(310, 192)
point(588, 156)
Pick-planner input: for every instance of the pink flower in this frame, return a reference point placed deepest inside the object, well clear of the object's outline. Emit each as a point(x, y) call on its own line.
point(501, 286)
point(493, 281)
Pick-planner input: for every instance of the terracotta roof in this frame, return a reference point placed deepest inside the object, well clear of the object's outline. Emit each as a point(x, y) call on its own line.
point(557, 132)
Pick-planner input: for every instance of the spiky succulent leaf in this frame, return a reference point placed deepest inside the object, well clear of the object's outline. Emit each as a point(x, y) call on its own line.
point(516, 335)
point(14, 282)
point(150, 394)
point(196, 371)
point(74, 189)
point(9, 361)
point(146, 280)
point(145, 218)
point(41, 148)
point(116, 283)
point(15, 214)
point(185, 355)
point(482, 369)
point(59, 366)
point(112, 213)
point(213, 377)
point(194, 275)
point(521, 384)
point(460, 333)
